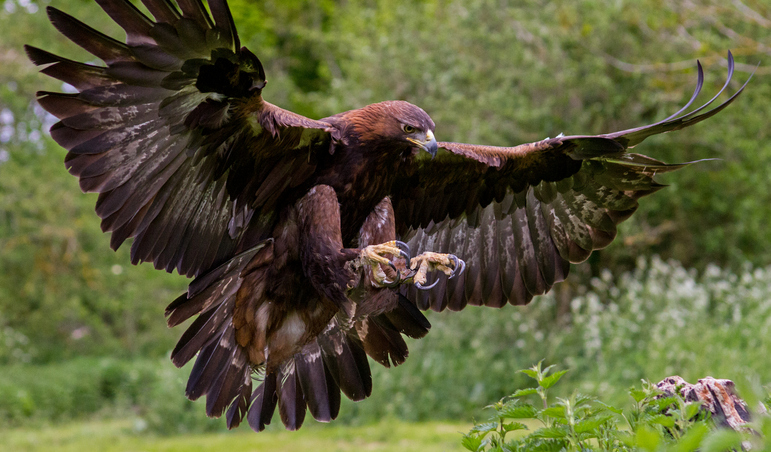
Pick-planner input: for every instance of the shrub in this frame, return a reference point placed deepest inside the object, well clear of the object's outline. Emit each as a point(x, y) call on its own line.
point(656, 422)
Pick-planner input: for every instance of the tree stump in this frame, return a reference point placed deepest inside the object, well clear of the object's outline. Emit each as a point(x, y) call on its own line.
point(717, 396)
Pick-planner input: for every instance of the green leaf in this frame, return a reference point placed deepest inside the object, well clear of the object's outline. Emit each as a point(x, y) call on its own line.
point(530, 373)
point(612, 409)
point(471, 442)
point(692, 409)
point(721, 440)
point(511, 426)
point(518, 411)
point(661, 419)
point(554, 411)
point(546, 445)
point(590, 425)
point(692, 439)
point(647, 438)
point(549, 381)
point(663, 403)
point(637, 394)
point(549, 433)
point(485, 428)
point(582, 399)
point(525, 392)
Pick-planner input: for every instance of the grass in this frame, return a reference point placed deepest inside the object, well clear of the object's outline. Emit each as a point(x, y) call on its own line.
point(122, 436)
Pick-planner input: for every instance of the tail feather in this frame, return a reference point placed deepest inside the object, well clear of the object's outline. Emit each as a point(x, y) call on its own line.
point(382, 342)
point(232, 382)
point(197, 335)
point(209, 365)
point(408, 319)
point(222, 370)
point(240, 406)
point(313, 379)
point(263, 404)
point(321, 393)
point(291, 400)
point(346, 360)
point(212, 288)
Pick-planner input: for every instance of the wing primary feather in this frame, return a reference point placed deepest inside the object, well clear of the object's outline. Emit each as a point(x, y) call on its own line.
point(456, 287)
point(526, 254)
point(63, 105)
point(194, 9)
point(136, 24)
point(224, 20)
point(96, 43)
point(80, 75)
point(162, 10)
point(542, 241)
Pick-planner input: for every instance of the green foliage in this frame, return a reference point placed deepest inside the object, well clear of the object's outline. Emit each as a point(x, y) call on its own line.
point(153, 390)
point(656, 321)
point(655, 423)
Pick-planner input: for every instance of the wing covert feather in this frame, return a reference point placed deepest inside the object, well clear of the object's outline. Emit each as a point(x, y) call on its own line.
point(520, 215)
point(173, 132)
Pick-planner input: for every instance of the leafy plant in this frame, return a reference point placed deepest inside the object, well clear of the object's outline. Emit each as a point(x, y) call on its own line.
point(656, 422)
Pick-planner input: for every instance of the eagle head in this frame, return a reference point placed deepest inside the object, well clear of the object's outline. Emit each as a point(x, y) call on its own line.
point(399, 125)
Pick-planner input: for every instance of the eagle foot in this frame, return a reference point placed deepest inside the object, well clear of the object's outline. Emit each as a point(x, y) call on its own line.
point(376, 255)
point(449, 264)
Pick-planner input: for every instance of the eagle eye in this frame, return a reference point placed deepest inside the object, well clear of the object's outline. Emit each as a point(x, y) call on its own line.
point(408, 129)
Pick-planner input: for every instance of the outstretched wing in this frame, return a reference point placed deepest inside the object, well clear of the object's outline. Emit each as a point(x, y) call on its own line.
point(173, 132)
point(520, 215)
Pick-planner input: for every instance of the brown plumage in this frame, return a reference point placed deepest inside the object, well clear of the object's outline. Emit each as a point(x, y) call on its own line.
point(288, 224)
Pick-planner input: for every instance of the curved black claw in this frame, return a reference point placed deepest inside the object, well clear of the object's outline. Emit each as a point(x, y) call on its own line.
point(397, 281)
point(457, 263)
point(404, 251)
point(422, 287)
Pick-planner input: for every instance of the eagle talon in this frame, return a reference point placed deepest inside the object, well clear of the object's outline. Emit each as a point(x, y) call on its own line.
point(395, 283)
point(457, 263)
point(374, 256)
point(404, 251)
point(422, 287)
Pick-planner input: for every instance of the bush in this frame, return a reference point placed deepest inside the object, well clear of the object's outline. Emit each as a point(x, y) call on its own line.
point(655, 321)
point(656, 422)
point(152, 390)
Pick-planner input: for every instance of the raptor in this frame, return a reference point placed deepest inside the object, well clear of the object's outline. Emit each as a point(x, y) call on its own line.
point(314, 244)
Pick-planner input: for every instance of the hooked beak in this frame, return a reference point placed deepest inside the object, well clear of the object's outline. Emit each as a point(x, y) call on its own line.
point(430, 145)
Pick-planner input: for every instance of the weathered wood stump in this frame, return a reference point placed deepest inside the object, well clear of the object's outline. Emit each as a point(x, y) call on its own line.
point(717, 396)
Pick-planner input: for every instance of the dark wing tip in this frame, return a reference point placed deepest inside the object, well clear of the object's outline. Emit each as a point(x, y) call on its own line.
point(38, 56)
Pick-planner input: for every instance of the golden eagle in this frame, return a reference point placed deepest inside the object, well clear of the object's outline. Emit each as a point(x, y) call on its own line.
point(291, 226)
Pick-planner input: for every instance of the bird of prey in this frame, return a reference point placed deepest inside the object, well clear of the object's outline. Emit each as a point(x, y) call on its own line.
point(315, 243)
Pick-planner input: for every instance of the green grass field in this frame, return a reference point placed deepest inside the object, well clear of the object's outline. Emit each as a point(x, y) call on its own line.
point(121, 436)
